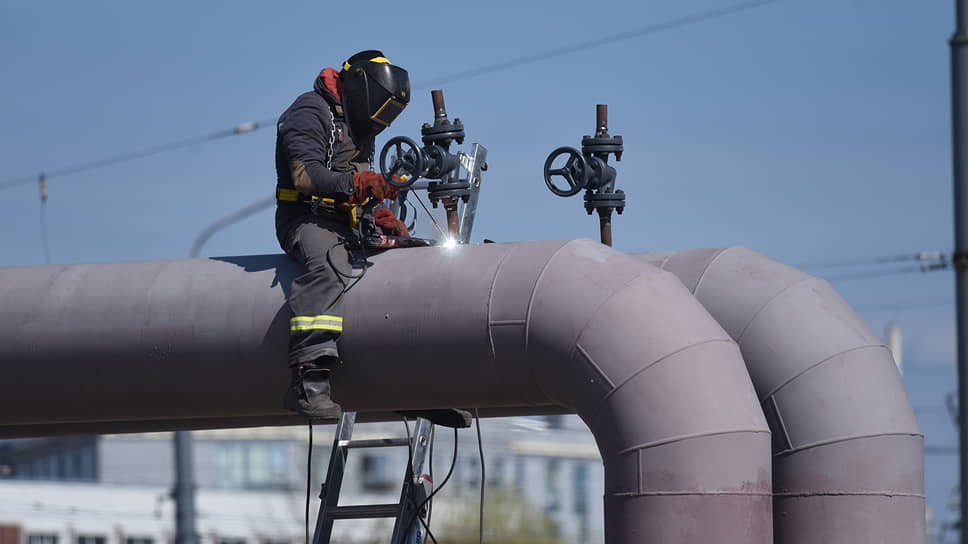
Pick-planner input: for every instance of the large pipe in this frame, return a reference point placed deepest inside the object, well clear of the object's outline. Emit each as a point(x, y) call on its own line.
point(848, 452)
point(513, 327)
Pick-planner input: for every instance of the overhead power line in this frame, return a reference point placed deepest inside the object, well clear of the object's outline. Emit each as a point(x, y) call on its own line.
point(597, 42)
point(884, 259)
point(892, 272)
point(466, 74)
point(140, 154)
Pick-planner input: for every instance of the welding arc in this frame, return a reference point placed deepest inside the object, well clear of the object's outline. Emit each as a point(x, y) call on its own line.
point(487, 69)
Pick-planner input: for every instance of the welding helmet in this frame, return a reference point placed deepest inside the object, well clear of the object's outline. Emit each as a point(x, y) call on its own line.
point(374, 93)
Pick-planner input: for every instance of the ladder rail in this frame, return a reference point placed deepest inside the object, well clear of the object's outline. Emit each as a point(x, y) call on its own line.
point(407, 528)
point(329, 494)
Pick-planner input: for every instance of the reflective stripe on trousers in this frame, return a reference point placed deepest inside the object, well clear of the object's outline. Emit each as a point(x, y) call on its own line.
point(316, 322)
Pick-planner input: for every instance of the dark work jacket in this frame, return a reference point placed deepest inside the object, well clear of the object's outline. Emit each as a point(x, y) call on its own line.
point(302, 144)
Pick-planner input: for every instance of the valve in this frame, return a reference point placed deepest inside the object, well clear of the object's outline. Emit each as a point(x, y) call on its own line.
point(435, 162)
point(406, 166)
point(589, 170)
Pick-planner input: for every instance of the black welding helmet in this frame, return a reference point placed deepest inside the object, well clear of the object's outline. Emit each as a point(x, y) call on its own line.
point(374, 93)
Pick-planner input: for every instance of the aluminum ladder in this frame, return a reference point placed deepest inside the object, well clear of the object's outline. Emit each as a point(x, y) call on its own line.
point(416, 487)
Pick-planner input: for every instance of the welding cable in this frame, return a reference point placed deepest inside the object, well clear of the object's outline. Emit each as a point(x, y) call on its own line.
point(355, 277)
point(453, 463)
point(433, 438)
point(309, 474)
point(410, 477)
point(480, 448)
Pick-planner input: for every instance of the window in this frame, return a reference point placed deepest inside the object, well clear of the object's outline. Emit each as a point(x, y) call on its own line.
point(579, 481)
point(552, 493)
point(41, 539)
point(257, 465)
point(473, 476)
point(91, 539)
point(139, 540)
point(519, 474)
point(229, 540)
point(495, 473)
point(377, 473)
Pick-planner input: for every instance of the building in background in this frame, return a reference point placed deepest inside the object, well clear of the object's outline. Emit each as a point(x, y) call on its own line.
point(115, 489)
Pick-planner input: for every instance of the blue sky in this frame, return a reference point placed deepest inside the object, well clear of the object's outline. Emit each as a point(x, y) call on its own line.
point(808, 131)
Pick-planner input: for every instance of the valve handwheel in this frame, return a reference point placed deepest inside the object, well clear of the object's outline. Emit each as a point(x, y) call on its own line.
point(574, 171)
point(408, 162)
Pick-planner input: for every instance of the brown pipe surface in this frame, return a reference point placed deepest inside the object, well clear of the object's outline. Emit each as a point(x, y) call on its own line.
point(509, 327)
point(848, 461)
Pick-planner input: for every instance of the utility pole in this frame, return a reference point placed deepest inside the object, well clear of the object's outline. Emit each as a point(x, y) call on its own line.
point(184, 492)
point(959, 124)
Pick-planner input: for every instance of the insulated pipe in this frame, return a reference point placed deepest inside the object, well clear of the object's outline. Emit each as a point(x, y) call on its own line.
point(515, 327)
point(848, 461)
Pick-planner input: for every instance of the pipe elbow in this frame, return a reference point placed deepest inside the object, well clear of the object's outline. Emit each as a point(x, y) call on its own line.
point(845, 438)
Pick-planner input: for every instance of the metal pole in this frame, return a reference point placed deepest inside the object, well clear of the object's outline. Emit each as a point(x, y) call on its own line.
point(959, 123)
point(184, 492)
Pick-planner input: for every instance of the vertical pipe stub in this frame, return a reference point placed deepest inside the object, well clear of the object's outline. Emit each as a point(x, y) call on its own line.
point(601, 120)
point(440, 110)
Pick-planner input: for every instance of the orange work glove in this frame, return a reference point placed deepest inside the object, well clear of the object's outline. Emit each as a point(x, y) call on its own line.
point(371, 185)
point(390, 224)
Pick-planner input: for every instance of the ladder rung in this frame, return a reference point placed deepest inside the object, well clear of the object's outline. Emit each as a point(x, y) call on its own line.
point(360, 511)
point(374, 443)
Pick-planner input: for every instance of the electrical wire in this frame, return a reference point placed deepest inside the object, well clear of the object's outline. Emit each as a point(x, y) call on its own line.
point(883, 259)
point(594, 43)
point(411, 478)
point(309, 473)
point(466, 74)
point(453, 464)
point(480, 448)
point(143, 153)
point(882, 273)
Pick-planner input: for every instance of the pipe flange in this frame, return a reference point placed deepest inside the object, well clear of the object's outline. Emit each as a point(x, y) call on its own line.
point(614, 201)
point(602, 146)
point(443, 132)
point(459, 189)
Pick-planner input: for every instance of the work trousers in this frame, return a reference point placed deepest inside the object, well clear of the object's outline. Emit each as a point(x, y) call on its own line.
point(316, 297)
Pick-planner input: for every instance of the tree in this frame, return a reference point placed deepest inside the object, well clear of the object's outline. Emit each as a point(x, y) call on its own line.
point(508, 518)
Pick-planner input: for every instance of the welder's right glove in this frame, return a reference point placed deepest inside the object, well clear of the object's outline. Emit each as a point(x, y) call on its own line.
point(371, 185)
point(390, 224)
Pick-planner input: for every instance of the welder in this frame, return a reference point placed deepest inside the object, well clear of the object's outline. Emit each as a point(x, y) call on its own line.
point(324, 160)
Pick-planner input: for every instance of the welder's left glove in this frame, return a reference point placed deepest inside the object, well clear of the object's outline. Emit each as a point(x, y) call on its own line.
point(389, 223)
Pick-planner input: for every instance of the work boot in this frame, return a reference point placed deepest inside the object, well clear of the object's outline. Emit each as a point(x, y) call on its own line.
point(309, 391)
point(447, 417)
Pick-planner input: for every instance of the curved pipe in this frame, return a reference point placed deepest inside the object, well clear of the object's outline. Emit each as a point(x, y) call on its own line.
point(848, 460)
point(515, 327)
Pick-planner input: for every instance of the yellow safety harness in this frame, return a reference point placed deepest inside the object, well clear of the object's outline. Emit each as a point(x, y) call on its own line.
point(324, 204)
